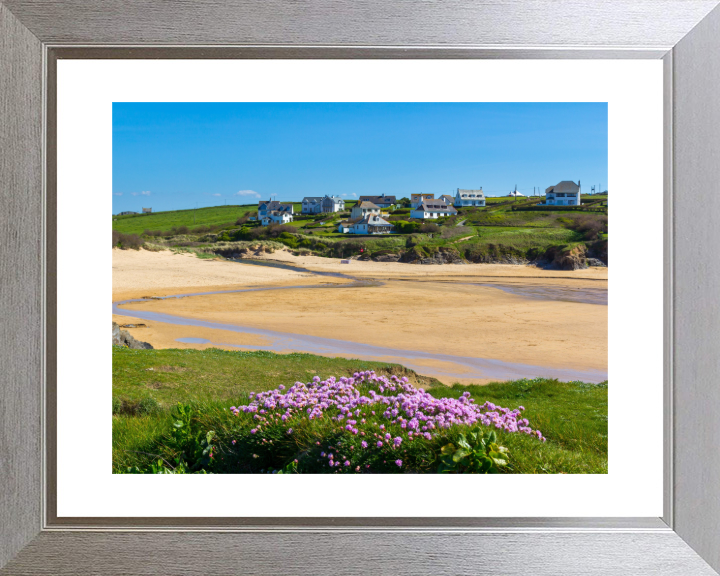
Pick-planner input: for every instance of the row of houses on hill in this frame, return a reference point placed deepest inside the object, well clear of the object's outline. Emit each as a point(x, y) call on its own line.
point(366, 214)
point(462, 198)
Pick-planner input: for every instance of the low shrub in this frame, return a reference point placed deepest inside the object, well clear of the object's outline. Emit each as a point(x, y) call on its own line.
point(126, 241)
point(590, 226)
point(142, 407)
point(429, 227)
point(405, 227)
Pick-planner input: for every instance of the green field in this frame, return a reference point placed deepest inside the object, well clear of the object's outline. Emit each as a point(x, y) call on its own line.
point(147, 384)
point(224, 216)
point(216, 215)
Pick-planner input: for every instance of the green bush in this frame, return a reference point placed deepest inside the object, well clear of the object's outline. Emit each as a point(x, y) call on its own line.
point(289, 240)
point(116, 405)
point(405, 227)
point(147, 405)
point(476, 453)
point(126, 241)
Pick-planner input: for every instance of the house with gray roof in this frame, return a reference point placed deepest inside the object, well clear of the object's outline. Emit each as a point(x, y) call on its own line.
point(383, 201)
point(565, 193)
point(433, 209)
point(469, 198)
point(267, 206)
point(371, 224)
point(322, 204)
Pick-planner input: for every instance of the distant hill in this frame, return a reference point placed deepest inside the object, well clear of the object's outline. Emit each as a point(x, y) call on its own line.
point(212, 216)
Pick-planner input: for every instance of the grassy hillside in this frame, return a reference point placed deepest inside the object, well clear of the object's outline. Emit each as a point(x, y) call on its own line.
point(148, 383)
point(216, 215)
point(496, 233)
point(224, 216)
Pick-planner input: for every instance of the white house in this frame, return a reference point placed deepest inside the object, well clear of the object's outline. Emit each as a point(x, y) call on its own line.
point(322, 204)
point(447, 199)
point(417, 199)
point(361, 209)
point(276, 217)
point(311, 205)
point(267, 206)
point(433, 209)
point(566, 193)
point(469, 198)
point(371, 224)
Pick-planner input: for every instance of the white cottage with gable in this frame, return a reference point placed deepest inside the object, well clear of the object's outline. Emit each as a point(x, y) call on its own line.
point(469, 198)
point(433, 209)
point(362, 209)
point(276, 217)
point(265, 207)
point(371, 224)
point(322, 204)
point(566, 193)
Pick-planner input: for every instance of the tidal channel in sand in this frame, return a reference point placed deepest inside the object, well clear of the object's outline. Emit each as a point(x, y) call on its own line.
point(472, 328)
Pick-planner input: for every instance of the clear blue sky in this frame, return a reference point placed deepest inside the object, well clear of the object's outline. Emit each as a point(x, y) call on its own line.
point(172, 156)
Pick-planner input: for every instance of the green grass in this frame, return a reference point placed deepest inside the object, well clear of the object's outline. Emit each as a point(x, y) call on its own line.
point(572, 416)
point(522, 239)
point(173, 375)
point(216, 215)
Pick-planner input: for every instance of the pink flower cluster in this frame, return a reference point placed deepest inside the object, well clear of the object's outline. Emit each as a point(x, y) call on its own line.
point(415, 411)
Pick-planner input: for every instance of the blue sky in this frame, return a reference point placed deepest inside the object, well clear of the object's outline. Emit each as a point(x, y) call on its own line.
point(172, 156)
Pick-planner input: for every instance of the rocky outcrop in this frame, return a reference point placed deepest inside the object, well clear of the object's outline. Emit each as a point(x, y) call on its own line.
point(599, 250)
point(124, 338)
point(499, 259)
point(596, 262)
point(572, 259)
point(386, 258)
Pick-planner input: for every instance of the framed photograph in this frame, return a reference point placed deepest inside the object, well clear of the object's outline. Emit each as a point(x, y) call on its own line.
point(361, 290)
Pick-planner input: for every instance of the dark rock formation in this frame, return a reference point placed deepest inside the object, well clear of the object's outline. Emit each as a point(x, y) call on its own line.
point(124, 338)
point(596, 262)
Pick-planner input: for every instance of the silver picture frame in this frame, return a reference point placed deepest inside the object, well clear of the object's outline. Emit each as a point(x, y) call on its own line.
point(685, 34)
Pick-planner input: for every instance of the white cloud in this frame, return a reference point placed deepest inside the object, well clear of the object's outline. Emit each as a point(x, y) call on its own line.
point(146, 193)
point(247, 193)
point(353, 194)
point(117, 193)
point(217, 194)
point(133, 193)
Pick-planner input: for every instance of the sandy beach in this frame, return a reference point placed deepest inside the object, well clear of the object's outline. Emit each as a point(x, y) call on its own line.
point(454, 310)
